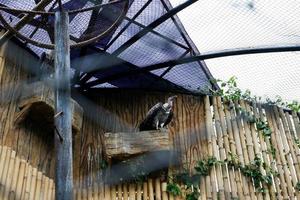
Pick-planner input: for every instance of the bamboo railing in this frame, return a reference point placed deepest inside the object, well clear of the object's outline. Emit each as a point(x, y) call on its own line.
point(226, 131)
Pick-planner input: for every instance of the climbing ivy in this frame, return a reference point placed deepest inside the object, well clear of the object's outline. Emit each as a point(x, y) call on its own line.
point(173, 189)
point(204, 166)
point(297, 187)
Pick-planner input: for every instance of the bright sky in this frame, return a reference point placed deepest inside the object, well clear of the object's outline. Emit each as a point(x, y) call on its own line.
point(226, 24)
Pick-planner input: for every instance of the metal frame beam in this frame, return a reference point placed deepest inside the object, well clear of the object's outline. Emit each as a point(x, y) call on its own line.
point(23, 21)
point(146, 30)
point(205, 56)
point(128, 24)
point(158, 34)
point(153, 25)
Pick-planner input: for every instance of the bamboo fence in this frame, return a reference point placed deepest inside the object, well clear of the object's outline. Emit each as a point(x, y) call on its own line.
point(226, 130)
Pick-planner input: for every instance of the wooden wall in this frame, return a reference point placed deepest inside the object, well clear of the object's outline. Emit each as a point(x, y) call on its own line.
point(122, 112)
point(110, 111)
point(202, 127)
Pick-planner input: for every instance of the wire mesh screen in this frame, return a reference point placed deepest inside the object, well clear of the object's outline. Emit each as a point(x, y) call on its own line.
point(168, 41)
point(100, 21)
point(229, 24)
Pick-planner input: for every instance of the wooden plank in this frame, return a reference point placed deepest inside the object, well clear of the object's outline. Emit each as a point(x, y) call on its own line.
point(63, 122)
point(122, 145)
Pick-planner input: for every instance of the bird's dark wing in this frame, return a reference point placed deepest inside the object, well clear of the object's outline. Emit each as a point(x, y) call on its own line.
point(169, 118)
point(147, 123)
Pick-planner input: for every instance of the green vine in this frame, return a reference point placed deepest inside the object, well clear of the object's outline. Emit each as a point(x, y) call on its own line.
point(297, 142)
point(297, 187)
point(203, 168)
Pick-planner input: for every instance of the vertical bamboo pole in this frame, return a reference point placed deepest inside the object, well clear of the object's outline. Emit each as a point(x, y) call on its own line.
point(227, 149)
point(43, 182)
point(282, 150)
point(96, 191)
point(236, 175)
point(209, 132)
point(107, 192)
point(292, 158)
point(5, 172)
point(157, 189)
point(217, 153)
point(260, 146)
point(239, 150)
point(119, 188)
point(250, 138)
point(8, 179)
point(46, 188)
point(296, 123)
point(280, 168)
point(14, 178)
point(139, 191)
point(26, 183)
point(145, 190)
point(221, 171)
point(33, 183)
point(164, 191)
point(132, 191)
point(85, 193)
point(38, 185)
point(295, 147)
point(125, 191)
point(89, 192)
point(63, 122)
point(113, 192)
point(150, 189)
point(244, 133)
point(21, 175)
point(79, 194)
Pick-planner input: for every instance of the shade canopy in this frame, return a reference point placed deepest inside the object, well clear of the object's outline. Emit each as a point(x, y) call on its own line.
point(107, 63)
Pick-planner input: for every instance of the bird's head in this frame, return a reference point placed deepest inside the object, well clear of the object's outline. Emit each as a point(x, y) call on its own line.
point(171, 100)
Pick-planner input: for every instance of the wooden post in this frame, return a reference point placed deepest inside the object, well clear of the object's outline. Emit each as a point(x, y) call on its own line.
point(63, 122)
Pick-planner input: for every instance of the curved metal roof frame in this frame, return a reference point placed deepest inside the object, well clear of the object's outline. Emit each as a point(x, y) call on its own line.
point(150, 49)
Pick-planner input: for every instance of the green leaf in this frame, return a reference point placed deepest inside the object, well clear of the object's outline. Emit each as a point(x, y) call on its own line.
point(173, 189)
point(297, 187)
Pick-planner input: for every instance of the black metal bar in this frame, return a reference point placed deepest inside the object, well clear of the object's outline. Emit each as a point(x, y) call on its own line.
point(189, 42)
point(63, 123)
point(87, 76)
point(60, 5)
point(128, 24)
point(205, 56)
point(153, 25)
point(24, 20)
point(176, 24)
point(158, 34)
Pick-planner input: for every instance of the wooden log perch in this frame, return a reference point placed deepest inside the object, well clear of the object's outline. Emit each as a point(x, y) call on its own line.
point(37, 102)
point(122, 145)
